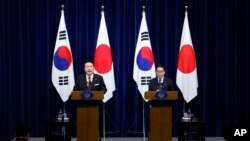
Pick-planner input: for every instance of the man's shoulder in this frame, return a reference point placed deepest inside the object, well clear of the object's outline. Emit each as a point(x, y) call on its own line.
point(81, 75)
point(97, 76)
point(153, 80)
point(168, 79)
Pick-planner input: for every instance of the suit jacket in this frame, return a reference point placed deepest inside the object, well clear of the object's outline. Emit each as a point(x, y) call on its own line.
point(96, 85)
point(167, 84)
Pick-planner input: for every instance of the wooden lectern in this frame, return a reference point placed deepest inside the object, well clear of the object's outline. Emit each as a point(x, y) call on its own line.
point(161, 115)
point(87, 116)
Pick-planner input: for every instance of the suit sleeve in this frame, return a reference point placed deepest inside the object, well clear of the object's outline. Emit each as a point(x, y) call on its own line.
point(76, 87)
point(150, 86)
point(171, 85)
point(103, 85)
point(78, 83)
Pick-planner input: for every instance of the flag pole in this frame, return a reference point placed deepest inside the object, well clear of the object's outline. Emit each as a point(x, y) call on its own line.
point(103, 108)
point(184, 102)
point(143, 110)
point(64, 116)
point(103, 118)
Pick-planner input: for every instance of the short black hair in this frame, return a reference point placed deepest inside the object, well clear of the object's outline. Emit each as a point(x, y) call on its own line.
point(22, 130)
point(160, 66)
point(88, 61)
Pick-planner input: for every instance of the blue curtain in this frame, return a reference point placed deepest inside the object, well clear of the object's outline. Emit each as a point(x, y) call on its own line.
point(220, 34)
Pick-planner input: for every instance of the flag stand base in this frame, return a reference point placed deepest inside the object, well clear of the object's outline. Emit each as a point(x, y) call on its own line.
point(104, 113)
point(143, 128)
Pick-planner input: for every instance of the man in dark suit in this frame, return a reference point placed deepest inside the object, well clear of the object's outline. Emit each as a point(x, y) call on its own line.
point(89, 80)
point(160, 82)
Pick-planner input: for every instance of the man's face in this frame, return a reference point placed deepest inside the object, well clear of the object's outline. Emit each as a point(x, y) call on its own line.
point(160, 72)
point(89, 68)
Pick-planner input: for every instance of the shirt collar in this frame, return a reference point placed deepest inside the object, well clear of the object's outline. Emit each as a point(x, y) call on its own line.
point(91, 77)
point(161, 79)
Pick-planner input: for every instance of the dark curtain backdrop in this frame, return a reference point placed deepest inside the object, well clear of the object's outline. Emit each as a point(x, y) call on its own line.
point(220, 34)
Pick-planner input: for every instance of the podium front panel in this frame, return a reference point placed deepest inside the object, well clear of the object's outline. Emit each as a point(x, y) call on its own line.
point(161, 123)
point(88, 123)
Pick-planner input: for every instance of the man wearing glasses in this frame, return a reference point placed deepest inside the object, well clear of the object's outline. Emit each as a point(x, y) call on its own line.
point(160, 82)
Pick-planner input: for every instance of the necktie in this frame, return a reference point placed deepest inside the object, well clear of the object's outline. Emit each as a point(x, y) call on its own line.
point(160, 84)
point(159, 81)
point(89, 82)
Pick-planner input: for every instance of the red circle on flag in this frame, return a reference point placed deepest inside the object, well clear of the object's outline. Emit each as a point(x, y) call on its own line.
point(103, 59)
point(186, 59)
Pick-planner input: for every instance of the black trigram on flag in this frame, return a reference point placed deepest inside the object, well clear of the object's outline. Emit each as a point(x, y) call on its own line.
point(144, 36)
point(63, 80)
point(145, 80)
point(62, 35)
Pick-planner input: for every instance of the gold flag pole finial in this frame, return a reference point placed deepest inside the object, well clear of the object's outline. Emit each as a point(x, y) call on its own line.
point(102, 8)
point(186, 9)
point(62, 6)
point(143, 8)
